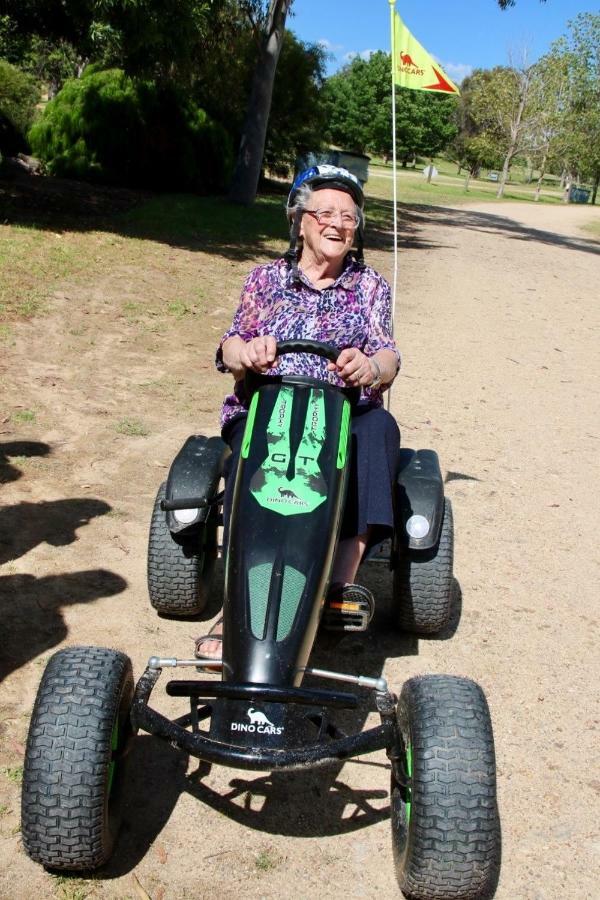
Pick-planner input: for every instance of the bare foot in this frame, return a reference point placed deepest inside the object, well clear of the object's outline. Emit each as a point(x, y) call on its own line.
point(210, 646)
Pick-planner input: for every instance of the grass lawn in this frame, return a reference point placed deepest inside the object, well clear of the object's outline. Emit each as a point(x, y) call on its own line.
point(448, 188)
point(58, 234)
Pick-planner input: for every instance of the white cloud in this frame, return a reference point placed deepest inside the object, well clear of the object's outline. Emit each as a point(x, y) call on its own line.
point(457, 71)
point(329, 45)
point(363, 54)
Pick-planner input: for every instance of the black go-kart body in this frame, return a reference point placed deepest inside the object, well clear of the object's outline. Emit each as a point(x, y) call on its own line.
point(263, 712)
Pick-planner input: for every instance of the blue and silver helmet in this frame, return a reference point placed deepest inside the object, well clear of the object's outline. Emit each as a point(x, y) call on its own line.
point(331, 177)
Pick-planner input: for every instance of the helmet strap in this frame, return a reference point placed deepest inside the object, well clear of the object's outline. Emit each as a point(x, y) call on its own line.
point(291, 254)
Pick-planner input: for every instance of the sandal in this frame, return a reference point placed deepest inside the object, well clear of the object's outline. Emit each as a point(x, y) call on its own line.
point(204, 639)
point(348, 607)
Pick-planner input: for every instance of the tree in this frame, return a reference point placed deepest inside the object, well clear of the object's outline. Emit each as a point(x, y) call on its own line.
point(358, 108)
point(221, 86)
point(155, 38)
point(19, 94)
point(252, 144)
point(581, 52)
point(550, 97)
point(475, 144)
point(503, 108)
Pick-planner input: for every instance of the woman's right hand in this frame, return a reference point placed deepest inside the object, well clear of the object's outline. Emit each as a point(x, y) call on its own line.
point(257, 354)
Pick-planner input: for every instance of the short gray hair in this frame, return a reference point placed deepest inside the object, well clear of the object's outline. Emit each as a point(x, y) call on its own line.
point(303, 195)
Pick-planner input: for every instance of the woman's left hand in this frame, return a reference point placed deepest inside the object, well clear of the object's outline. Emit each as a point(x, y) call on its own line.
point(353, 367)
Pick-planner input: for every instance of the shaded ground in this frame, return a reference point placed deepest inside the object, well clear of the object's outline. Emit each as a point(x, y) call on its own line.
point(498, 320)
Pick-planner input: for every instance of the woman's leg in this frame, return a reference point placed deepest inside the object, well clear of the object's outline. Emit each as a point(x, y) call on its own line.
point(369, 512)
point(347, 559)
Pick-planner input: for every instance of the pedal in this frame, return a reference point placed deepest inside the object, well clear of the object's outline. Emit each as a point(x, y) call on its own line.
point(348, 608)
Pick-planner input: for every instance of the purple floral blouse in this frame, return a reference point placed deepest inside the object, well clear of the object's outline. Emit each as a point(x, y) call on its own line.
point(355, 311)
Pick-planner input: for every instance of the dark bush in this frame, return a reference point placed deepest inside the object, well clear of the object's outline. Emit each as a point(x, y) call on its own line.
point(19, 94)
point(110, 128)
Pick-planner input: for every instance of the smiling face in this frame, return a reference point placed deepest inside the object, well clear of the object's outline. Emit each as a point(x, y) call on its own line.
point(327, 244)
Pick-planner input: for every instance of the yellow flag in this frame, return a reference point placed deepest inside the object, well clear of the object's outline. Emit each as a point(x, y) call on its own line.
point(413, 67)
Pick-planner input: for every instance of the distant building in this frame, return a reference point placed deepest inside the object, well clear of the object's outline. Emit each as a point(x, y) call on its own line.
point(357, 163)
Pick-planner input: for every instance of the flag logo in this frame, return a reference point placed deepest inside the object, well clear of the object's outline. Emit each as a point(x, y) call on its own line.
point(413, 67)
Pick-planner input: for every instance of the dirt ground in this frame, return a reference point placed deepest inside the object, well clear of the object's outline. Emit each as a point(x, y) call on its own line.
point(498, 320)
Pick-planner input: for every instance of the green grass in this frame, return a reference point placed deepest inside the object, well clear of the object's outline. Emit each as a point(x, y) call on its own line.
point(33, 262)
point(14, 773)
point(446, 189)
point(70, 887)
point(207, 221)
point(24, 417)
point(38, 263)
point(265, 861)
point(132, 428)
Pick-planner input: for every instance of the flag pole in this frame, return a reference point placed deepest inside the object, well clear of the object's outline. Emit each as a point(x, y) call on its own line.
point(395, 197)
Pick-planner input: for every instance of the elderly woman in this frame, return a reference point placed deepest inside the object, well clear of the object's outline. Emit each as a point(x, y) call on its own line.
point(322, 290)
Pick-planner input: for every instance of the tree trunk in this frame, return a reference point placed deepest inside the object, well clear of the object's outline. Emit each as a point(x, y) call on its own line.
point(467, 180)
point(504, 175)
point(595, 188)
point(514, 143)
point(252, 145)
point(542, 173)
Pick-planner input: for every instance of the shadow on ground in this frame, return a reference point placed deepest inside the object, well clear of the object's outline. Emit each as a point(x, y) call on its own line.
point(12, 452)
point(31, 610)
point(31, 607)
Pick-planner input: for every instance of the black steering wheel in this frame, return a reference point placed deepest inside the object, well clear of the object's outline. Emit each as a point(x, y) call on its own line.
point(254, 380)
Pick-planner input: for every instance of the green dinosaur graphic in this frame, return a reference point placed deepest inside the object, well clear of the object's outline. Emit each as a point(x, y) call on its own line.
point(270, 484)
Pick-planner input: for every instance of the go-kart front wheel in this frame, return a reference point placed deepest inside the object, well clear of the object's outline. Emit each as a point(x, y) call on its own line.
point(424, 583)
point(74, 761)
point(179, 567)
point(445, 826)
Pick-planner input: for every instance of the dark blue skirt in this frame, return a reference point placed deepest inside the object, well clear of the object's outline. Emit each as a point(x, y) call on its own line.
point(373, 465)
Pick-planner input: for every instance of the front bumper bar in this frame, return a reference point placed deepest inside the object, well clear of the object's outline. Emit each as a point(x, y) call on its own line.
point(324, 751)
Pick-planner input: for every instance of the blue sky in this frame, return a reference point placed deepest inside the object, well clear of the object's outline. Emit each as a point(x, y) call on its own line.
point(462, 34)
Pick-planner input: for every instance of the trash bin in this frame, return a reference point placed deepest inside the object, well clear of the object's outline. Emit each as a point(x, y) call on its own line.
point(578, 195)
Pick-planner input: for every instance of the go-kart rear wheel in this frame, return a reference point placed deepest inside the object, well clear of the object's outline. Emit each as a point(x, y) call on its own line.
point(424, 583)
point(74, 761)
point(179, 567)
point(445, 826)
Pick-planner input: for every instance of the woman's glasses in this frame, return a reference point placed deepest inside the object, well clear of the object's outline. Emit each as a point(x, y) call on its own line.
point(330, 216)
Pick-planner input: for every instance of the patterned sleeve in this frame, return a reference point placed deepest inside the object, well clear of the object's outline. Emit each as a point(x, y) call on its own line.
point(245, 320)
point(380, 319)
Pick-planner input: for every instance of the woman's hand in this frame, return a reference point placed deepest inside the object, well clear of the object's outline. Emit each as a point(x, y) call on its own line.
point(354, 368)
point(257, 354)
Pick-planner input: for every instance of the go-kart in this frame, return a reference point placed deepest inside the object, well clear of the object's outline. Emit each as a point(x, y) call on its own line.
point(263, 712)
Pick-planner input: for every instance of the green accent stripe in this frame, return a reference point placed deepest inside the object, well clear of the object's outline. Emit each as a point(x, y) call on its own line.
point(343, 443)
point(259, 583)
point(291, 593)
point(409, 772)
point(249, 426)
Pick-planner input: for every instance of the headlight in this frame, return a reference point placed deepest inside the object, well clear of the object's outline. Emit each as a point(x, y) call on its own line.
point(185, 516)
point(417, 526)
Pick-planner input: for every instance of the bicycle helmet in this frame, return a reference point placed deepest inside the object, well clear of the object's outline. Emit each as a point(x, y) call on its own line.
point(329, 176)
point(325, 176)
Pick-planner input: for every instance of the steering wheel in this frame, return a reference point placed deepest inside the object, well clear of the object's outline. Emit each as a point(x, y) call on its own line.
point(254, 380)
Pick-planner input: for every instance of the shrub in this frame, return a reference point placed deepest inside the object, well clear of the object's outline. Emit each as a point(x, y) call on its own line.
point(19, 94)
point(110, 128)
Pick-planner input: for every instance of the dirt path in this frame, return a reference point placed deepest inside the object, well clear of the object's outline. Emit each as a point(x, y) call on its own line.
point(498, 319)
